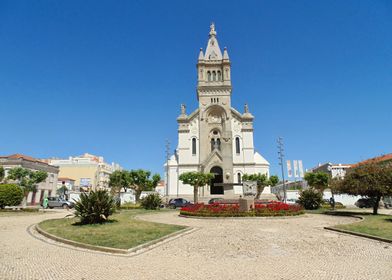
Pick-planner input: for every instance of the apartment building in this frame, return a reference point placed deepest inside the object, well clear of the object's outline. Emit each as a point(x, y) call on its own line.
point(46, 188)
point(89, 171)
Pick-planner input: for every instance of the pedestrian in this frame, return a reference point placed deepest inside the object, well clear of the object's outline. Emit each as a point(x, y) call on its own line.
point(45, 203)
point(332, 202)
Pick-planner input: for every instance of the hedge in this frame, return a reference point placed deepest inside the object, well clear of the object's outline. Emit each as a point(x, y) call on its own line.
point(10, 195)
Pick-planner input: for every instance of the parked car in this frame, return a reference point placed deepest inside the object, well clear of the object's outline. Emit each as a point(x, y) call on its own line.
point(388, 201)
point(364, 203)
point(58, 202)
point(177, 202)
point(292, 201)
point(215, 200)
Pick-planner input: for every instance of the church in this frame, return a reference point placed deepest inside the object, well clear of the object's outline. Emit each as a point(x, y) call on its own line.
point(215, 138)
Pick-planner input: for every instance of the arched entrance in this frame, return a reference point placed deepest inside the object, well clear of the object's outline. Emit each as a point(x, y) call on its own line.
point(218, 179)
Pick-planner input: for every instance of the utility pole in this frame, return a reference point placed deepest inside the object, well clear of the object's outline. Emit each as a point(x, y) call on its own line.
point(280, 157)
point(167, 166)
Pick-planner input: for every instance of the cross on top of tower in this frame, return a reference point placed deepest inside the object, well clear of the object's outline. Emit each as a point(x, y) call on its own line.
point(212, 29)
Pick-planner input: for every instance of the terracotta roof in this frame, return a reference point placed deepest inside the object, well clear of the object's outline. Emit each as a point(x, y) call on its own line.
point(20, 156)
point(382, 158)
point(65, 179)
point(27, 158)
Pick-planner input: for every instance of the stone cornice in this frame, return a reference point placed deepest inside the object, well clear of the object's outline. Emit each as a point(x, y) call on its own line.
point(214, 89)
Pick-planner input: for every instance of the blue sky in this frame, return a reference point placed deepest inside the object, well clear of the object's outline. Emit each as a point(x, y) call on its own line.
point(108, 77)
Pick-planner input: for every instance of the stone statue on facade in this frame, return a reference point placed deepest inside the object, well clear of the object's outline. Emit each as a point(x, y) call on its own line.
point(183, 109)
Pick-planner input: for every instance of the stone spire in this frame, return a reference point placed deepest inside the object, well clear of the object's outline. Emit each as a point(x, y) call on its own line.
point(213, 51)
point(201, 55)
point(225, 54)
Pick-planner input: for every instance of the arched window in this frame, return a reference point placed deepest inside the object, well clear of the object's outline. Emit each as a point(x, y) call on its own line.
point(212, 144)
point(218, 142)
point(239, 177)
point(209, 76)
point(219, 75)
point(214, 76)
point(237, 145)
point(193, 146)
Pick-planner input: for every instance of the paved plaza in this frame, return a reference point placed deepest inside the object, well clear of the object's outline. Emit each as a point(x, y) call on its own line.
point(262, 248)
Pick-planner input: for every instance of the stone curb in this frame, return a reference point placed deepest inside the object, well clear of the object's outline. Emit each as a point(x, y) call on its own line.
point(240, 218)
point(359, 234)
point(114, 250)
point(78, 244)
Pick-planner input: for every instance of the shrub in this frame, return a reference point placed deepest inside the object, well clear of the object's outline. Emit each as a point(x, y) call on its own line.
point(310, 199)
point(272, 208)
point(130, 206)
point(338, 205)
point(95, 207)
point(10, 195)
point(151, 202)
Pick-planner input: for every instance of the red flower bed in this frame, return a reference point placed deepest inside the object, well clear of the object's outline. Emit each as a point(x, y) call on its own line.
point(271, 208)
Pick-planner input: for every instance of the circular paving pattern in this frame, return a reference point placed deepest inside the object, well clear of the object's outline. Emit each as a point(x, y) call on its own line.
point(262, 248)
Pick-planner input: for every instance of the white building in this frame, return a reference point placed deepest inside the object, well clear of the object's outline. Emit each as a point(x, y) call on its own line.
point(215, 137)
point(334, 169)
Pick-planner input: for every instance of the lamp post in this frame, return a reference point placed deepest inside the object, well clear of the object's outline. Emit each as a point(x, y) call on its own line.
point(280, 157)
point(167, 167)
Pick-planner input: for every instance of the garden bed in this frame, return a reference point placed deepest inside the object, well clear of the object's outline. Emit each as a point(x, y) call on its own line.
point(122, 231)
point(269, 209)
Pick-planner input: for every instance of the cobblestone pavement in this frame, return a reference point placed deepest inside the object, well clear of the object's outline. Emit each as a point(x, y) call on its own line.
point(264, 248)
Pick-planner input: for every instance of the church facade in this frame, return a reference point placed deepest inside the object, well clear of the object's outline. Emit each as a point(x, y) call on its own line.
point(214, 138)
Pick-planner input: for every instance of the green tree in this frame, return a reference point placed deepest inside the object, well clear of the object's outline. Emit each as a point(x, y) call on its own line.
point(140, 181)
point(196, 180)
point(2, 173)
point(118, 180)
point(261, 180)
point(373, 180)
point(27, 179)
point(317, 180)
point(273, 180)
point(62, 190)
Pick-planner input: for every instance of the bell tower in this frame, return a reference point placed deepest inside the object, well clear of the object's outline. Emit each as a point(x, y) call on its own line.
point(214, 96)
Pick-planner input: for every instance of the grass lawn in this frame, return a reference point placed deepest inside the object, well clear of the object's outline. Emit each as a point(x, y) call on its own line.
point(122, 231)
point(377, 225)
